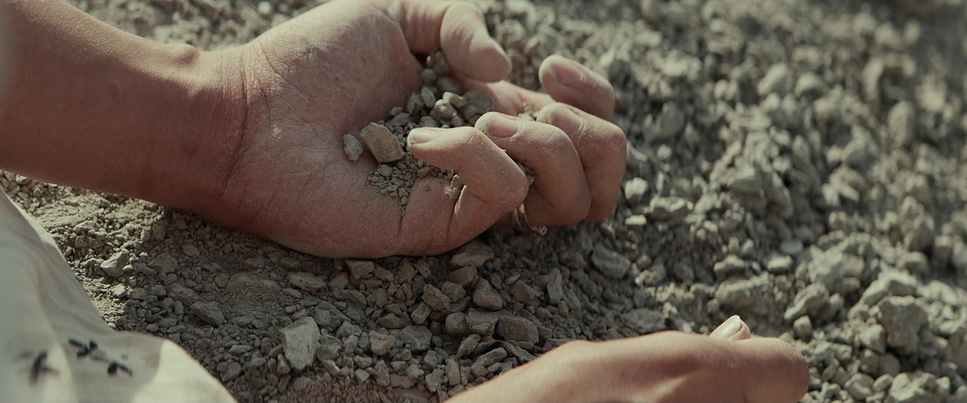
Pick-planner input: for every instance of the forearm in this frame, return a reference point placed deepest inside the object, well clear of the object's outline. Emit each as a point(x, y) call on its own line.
point(95, 107)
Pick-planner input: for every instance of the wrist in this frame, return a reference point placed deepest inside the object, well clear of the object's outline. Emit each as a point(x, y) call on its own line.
point(192, 161)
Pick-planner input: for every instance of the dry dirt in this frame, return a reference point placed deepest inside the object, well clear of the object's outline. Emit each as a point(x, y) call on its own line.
point(800, 163)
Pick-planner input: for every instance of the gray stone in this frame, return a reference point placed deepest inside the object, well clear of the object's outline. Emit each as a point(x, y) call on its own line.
point(728, 266)
point(486, 297)
point(779, 264)
point(555, 287)
point(381, 343)
point(831, 266)
point(901, 124)
point(114, 265)
point(453, 372)
point(668, 210)
point(811, 84)
point(913, 388)
point(472, 254)
point(179, 292)
point(807, 301)
point(360, 268)
point(463, 276)
point(610, 263)
point(416, 338)
point(233, 371)
point(306, 281)
point(644, 321)
point(456, 324)
point(778, 80)
point(873, 337)
point(453, 290)
point(352, 147)
point(208, 312)
point(467, 345)
point(493, 356)
point(755, 294)
point(420, 314)
point(300, 341)
point(902, 318)
point(802, 327)
point(634, 190)
point(483, 322)
point(517, 329)
point(239, 349)
point(434, 380)
point(671, 122)
point(348, 329)
point(435, 299)
point(891, 283)
point(523, 293)
point(860, 386)
point(164, 263)
point(329, 351)
point(382, 143)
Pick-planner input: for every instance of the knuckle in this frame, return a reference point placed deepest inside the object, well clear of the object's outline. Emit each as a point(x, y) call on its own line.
point(614, 140)
point(578, 209)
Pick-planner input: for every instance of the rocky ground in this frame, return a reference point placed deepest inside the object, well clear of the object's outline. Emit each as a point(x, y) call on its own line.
point(800, 163)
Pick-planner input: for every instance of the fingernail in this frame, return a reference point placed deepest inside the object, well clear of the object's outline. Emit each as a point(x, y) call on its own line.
point(565, 119)
point(503, 126)
point(567, 72)
point(422, 135)
point(728, 329)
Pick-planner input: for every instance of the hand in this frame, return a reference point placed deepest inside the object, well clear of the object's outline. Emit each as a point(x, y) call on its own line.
point(727, 366)
point(347, 63)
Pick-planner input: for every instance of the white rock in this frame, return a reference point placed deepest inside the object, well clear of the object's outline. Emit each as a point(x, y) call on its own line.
point(634, 190)
point(807, 301)
point(300, 341)
point(777, 80)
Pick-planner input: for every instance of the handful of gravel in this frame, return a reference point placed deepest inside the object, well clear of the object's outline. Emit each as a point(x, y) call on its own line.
point(437, 104)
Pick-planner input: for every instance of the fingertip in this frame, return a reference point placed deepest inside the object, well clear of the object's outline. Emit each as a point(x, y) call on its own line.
point(494, 64)
point(470, 49)
point(570, 82)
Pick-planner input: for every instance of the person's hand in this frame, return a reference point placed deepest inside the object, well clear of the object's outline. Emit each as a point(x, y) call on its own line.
point(347, 63)
point(727, 366)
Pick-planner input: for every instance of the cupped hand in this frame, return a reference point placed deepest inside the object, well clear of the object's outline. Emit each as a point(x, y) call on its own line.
point(340, 66)
point(728, 366)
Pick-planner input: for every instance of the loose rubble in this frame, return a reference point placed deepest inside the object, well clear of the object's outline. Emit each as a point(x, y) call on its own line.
point(798, 164)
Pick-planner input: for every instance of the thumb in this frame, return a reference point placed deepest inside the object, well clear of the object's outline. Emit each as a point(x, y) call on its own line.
point(459, 30)
point(494, 185)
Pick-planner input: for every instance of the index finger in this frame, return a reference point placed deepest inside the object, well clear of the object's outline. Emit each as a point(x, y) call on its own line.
point(459, 30)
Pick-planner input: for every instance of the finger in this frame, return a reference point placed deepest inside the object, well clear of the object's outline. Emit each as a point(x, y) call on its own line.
point(733, 329)
point(562, 195)
point(601, 147)
point(494, 185)
point(459, 30)
point(771, 370)
point(569, 82)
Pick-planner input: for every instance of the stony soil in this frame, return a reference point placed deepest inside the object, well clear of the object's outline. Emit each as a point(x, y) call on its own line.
point(800, 163)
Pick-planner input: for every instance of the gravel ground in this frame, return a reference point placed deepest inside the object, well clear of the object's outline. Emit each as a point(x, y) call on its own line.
point(800, 163)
